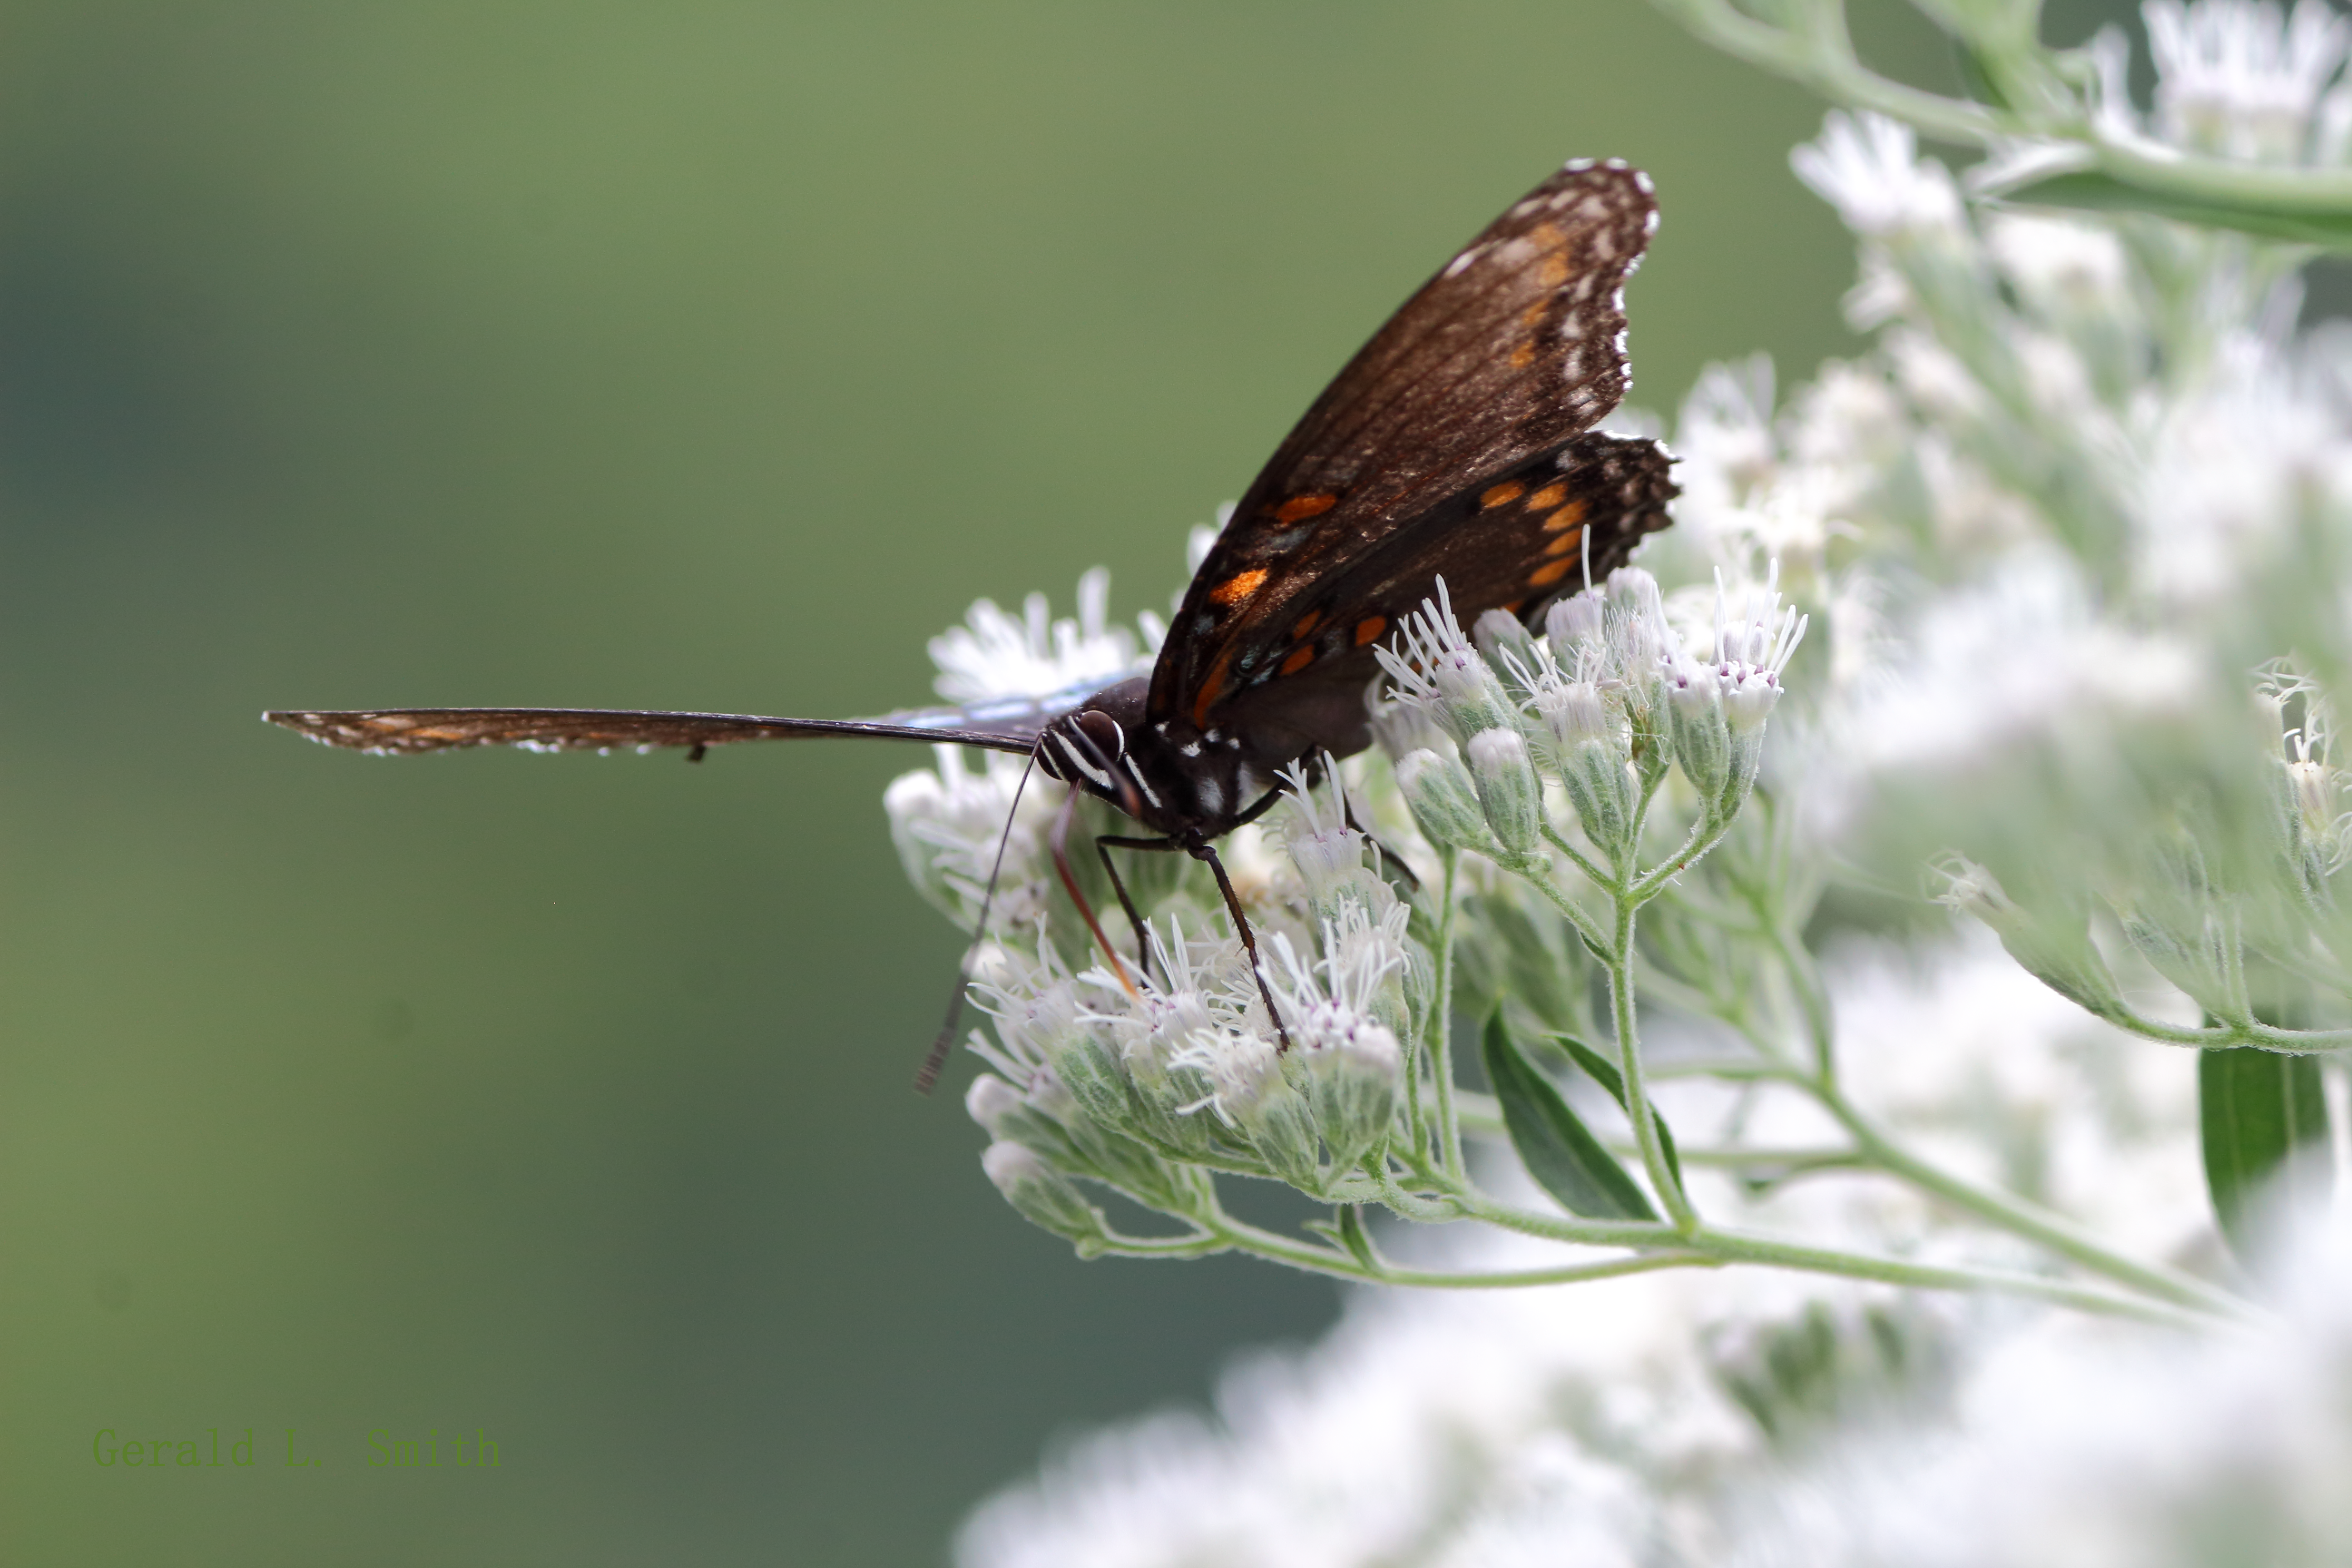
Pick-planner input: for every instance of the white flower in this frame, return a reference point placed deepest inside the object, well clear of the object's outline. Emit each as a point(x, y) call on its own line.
point(1868, 167)
point(2236, 79)
point(2228, 472)
point(2020, 656)
point(949, 824)
point(1437, 669)
point(2066, 267)
point(1036, 1006)
point(994, 656)
point(1321, 844)
point(1752, 647)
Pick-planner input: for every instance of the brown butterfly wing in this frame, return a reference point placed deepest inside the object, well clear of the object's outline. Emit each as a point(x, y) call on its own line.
point(408, 730)
point(1515, 545)
point(1491, 370)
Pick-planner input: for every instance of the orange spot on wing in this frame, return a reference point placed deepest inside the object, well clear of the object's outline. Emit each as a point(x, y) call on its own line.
point(1568, 516)
point(1512, 607)
point(1564, 544)
point(1238, 587)
point(1547, 235)
point(1369, 628)
point(1550, 496)
point(1211, 690)
point(1553, 272)
point(1299, 660)
point(1299, 509)
point(1545, 577)
point(1503, 494)
point(1523, 356)
point(1306, 624)
point(1534, 314)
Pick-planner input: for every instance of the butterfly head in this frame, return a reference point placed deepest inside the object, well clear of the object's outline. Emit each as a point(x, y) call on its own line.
point(1170, 777)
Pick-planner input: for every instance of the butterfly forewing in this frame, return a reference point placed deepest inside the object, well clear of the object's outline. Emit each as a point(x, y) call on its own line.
point(1489, 371)
point(406, 731)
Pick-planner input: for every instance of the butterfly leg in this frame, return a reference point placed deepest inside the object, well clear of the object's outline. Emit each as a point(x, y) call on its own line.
point(1059, 841)
point(1103, 844)
point(1249, 937)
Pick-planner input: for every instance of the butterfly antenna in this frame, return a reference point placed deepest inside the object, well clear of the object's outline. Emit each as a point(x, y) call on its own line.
point(928, 1076)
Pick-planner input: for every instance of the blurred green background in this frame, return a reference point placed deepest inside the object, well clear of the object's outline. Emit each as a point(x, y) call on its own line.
point(698, 354)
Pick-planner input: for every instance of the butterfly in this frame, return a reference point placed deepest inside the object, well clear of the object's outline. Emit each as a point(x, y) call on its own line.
point(1460, 443)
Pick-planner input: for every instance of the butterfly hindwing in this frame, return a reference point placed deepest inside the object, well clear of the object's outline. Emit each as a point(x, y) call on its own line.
point(1515, 544)
point(1513, 350)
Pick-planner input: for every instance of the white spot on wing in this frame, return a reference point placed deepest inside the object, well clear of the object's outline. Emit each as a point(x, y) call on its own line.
point(1646, 185)
point(1461, 262)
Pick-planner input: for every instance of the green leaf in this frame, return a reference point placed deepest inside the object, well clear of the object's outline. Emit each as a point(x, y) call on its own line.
point(1353, 1237)
point(2260, 1111)
point(2090, 191)
point(1604, 1073)
point(1558, 1151)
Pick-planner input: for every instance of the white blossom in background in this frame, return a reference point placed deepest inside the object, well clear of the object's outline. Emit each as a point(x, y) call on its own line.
point(2240, 78)
point(994, 655)
point(1868, 167)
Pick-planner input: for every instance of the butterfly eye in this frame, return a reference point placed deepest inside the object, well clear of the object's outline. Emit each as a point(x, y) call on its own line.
point(1109, 741)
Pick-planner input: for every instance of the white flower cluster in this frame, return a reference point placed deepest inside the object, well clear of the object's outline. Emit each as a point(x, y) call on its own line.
point(2239, 79)
point(1109, 1072)
point(1687, 1420)
point(1604, 704)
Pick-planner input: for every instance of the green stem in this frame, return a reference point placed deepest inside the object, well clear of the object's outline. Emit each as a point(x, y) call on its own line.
point(1577, 916)
point(1440, 1029)
point(2248, 1032)
point(2008, 1213)
point(1476, 1204)
point(1704, 835)
point(2018, 1217)
point(1737, 1247)
point(1828, 65)
point(1638, 1110)
point(1559, 840)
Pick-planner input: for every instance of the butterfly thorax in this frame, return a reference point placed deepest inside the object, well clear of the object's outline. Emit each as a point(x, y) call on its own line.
point(1191, 784)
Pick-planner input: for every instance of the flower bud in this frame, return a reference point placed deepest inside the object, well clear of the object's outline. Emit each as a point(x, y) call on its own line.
point(1508, 790)
point(1702, 736)
point(990, 1100)
point(1094, 1076)
point(1748, 695)
point(1445, 801)
point(1254, 1098)
point(1575, 621)
point(1404, 728)
point(1032, 1119)
point(1044, 1195)
point(1349, 1071)
point(1503, 642)
point(2058, 953)
point(1433, 664)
